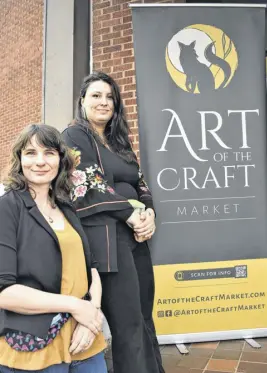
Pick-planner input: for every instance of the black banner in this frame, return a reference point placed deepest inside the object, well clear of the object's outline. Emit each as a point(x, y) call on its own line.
point(201, 105)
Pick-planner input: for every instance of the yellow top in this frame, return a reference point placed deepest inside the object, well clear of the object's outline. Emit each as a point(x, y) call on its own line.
point(75, 283)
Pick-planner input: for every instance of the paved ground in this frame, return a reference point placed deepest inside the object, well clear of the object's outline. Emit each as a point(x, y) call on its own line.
point(223, 357)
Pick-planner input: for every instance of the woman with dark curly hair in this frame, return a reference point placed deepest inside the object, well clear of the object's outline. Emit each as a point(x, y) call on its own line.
point(50, 292)
point(109, 193)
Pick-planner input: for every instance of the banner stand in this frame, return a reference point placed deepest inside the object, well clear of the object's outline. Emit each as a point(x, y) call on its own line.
point(184, 351)
point(201, 95)
point(211, 337)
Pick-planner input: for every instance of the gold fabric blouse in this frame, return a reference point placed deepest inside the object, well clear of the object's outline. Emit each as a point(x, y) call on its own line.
point(74, 283)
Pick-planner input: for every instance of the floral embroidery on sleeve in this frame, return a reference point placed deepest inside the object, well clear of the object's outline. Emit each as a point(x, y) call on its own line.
point(142, 183)
point(90, 178)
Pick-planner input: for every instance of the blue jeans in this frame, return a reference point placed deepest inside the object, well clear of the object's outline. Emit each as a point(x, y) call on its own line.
point(95, 364)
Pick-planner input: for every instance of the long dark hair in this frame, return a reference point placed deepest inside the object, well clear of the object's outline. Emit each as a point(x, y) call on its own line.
point(50, 138)
point(117, 129)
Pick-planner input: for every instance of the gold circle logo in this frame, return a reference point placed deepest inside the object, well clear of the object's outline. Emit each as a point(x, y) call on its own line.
point(201, 59)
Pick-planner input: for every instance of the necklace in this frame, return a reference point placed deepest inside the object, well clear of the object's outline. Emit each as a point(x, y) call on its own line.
point(51, 220)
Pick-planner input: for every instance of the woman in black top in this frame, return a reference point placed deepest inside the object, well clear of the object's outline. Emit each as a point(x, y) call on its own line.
point(108, 187)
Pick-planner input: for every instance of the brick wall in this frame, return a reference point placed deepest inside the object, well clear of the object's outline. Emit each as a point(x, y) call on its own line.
point(113, 50)
point(21, 25)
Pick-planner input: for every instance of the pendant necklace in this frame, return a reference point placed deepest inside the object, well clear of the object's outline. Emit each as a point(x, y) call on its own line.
point(51, 220)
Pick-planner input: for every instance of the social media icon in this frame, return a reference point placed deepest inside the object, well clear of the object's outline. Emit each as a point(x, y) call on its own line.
point(168, 313)
point(160, 313)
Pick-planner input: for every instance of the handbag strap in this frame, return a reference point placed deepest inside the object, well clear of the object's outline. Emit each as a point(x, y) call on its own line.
point(98, 156)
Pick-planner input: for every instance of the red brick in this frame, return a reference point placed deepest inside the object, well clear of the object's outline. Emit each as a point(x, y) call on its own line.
point(21, 41)
point(102, 57)
point(98, 51)
point(117, 75)
point(98, 12)
point(128, 59)
point(127, 19)
point(134, 131)
point(126, 53)
point(128, 46)
point(97, 39)
point(97, 65)
point(124, 26)
point(124, 67)
point(113, 48)
point(107, 70)
point(101, 31)
point(130, 109)
point(131, 101)
point(125, 95)
point(121, 13)
point(127, 32)
point(126, 39)
point(125, 81)
point(112, 22)
point(111, 35)
point(100, 44)
point(130, 87)
point(130, 73)
point(115, 2)
point(111, 9)
point(100, 5)
point(104, 17)
point(111, 62)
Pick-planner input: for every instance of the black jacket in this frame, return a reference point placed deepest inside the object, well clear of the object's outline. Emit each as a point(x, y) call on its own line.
point(101, 206)
point(30, 255)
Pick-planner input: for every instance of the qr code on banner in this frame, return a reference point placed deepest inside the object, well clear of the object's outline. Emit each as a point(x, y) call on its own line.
point(241, 271)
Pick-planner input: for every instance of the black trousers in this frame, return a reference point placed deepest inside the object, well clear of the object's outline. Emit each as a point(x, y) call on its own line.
point(127, 303)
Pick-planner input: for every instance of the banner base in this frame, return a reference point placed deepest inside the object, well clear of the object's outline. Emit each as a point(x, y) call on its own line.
point(211, 336)
point(253, 343)
point(182, 348)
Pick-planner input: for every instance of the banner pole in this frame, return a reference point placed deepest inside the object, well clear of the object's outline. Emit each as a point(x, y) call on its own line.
point(186, 5)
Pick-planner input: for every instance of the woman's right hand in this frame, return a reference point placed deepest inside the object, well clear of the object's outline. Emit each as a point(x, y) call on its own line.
point(134, 219)
point(88, 315)
point(82, 339)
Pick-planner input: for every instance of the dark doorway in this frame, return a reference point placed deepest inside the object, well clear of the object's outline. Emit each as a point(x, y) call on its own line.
point(81, 45)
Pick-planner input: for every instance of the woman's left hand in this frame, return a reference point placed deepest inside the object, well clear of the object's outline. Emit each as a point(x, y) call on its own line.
point(82, 339)
point(147, 227)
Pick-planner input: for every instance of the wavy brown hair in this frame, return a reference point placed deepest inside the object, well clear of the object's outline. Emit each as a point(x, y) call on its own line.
point(50, 138)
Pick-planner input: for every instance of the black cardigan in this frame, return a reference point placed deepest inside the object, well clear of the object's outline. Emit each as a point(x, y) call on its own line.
point(97, 203)
point(30, 255)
